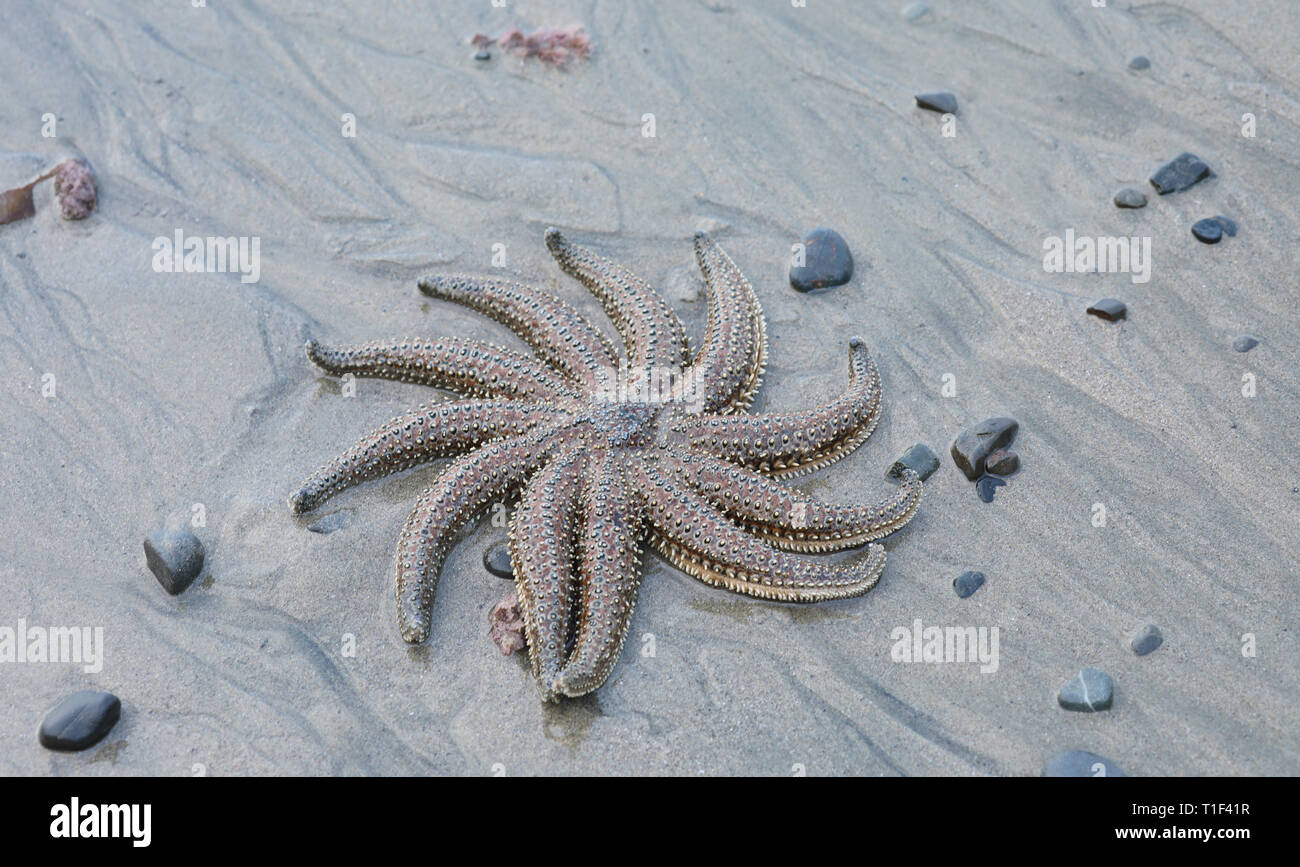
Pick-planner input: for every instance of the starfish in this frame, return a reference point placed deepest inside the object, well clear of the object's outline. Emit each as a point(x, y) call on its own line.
point(612, 453)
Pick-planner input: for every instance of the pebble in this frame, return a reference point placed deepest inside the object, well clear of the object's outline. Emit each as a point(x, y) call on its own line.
point(941, 101)
point(81, 720)
point(1130, 197)
point(1147, 639)
point(1080, 763)
point(1090, 690)
point(1227, 224)
point(496, 560)
point(1110, 309)
point(1140, 61)
point(506, 625)
point(1207, 231)
point(967, 583)
point(1245, 343)
point(986, 486)
point(1002, 462)
point(331, 522)
point(483, 54)
point(914, 11)
point(919, 458)
point(827, 261)
point(175, 557)
point(972, 446)
point(1180, 173)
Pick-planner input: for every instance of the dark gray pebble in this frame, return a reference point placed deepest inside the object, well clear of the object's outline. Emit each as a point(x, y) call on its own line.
point(919, 458)
point(81, 720)
point(1130, 197)
point(483, 54)
point(1180, 173)
point(331, 522)
point(1090, 690)
point(175, 557)
point(1245, 342)
point(1147, 639)
point(496, 560)
point(827, 261)
point(973, 445)
point(1080, 763)
point(941, 101)
point(1002, 462)
point(1139, 62)
point(967, 583)
point(1207, 231)
point(1110, 309)
point(986, 486)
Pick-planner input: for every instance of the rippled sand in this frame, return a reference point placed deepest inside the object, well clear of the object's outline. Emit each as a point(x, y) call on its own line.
point(180, 389)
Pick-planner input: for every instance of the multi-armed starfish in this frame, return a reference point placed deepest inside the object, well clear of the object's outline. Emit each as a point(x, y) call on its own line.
point(612, 453)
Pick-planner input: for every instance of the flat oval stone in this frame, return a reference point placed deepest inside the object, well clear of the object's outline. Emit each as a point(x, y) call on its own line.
point(1180, 173)
point(331, 522)
point(1110, 309)
point(1139, 61)
point(1081, 763)
point(1130, 197)
point(1245, 342)
point(941, 101)
point(920, 459)
point(1090, 690)
point(827, 262)
point(967, 583)
point(1207, 231)
point(1002, 462)
point(175, 557)
point(81, 720)
point(1147, 639)
point(972, 446)
point(496, 560)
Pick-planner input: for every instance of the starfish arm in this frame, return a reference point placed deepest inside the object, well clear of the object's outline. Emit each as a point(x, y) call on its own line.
point(786, 518)
point(542, 546)
point(700, 541)
point(473, 368)
point(609, 575)
point(652, 333)
point(730, 362)
point(797, 442)
point(419, 436)
point(460, 492)
point(555, 330)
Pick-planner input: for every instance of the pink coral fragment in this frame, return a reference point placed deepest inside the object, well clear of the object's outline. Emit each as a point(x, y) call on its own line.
point(554, 45)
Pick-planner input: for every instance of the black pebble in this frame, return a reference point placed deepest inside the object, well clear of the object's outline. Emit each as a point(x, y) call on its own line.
point(1139, 62)
point(496, 560)
point(1110, 309)
point(1147, 639)
point(81, 720)
point(1180, 173)
point(941, 101)
point(1080, 763)
point(974, 444)
point(967, 583)
point(1245, 343)
point(1207, 231)
point(827, 261)
point(919, 458)
point(175, 557)
point(986, 486)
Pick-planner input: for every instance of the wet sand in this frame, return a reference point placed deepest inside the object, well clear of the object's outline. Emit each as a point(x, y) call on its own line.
point(179, 389)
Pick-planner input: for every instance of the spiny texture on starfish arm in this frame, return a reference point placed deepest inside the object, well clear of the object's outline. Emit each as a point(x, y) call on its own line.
point(612, 452)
